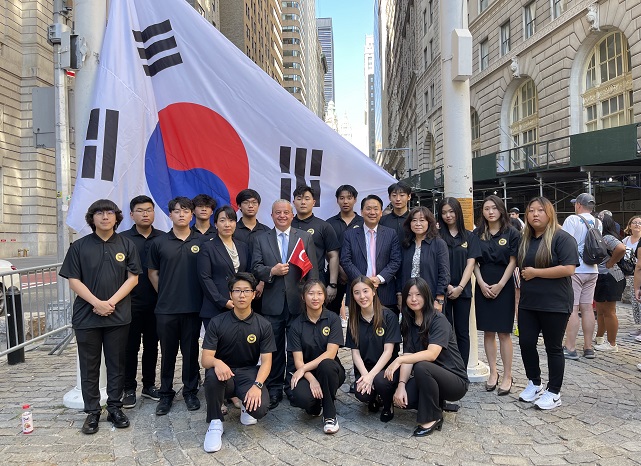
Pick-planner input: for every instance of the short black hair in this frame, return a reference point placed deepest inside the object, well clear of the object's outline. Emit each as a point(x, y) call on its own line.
point(142, 199)
point(515, 210)
point(102, 205)
point(247, 194)
point(227, 210)
point(399, 187)
point(371, 197)
point(182, 201)
point(242, 277)
point(204, 200)
point(300, 190)
point(346, 187)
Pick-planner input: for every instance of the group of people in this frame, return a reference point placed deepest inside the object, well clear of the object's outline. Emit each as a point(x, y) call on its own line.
point(274, 327)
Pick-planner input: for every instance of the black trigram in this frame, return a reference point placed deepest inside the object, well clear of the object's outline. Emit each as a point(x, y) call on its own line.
point(153, 49)
point(299, 171)
point(109, 145)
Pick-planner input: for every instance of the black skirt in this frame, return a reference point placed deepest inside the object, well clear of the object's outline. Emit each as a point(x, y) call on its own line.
point(495, 315)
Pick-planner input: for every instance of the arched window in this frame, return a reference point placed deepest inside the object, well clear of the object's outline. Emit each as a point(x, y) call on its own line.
point(607, 99)
point(524, 124)
point(476, 133)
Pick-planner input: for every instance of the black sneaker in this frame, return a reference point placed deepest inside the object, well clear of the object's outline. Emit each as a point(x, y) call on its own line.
point(118, 418)
point(151, 393)
point(90, 425)
point(164, 405)
point(129, 399)
point(192, 402)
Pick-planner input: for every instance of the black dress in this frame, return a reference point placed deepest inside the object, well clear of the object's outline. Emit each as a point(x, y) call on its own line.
point(496, 315)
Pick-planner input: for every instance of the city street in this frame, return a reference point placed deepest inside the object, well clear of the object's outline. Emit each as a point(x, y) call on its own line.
point(598, 423)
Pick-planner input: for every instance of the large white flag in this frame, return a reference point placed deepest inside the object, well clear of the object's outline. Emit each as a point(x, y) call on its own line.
point(179, 110)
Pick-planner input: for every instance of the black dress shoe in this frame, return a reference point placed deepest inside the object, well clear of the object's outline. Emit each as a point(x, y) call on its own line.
point(192, 402)
point(387, 415)
point(164, 406)
point(117, 418)
point(502, 392)
point(450, 407)
point(490, 388)
point(421, 431)
point(274, 401)
point(373, 406)
point(90, 425)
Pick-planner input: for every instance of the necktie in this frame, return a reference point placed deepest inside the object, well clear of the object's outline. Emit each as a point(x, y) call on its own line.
point(372, 251)
point(283, 247)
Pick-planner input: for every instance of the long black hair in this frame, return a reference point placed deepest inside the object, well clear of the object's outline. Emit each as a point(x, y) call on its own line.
point(428, 309)
point(484, 227)
point(460, 221)
point(609, 226)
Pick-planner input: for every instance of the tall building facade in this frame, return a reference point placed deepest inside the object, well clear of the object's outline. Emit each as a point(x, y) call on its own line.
point(209, 9)
point(254, 26)
point(326, 38)
point(370, 120)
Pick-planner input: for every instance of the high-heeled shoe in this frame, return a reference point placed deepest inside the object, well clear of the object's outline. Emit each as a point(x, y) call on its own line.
point(421, 431)
point(490, 388)
point(503, 392)
point(387, 414)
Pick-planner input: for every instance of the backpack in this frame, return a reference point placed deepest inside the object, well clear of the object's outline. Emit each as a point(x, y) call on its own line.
point(594, 248)
point(628, 262)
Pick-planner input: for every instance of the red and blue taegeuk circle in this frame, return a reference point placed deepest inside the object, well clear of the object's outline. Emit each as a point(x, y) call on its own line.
point(194, 150)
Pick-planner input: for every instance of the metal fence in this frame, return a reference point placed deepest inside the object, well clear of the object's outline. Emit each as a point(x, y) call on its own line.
point(35, 308)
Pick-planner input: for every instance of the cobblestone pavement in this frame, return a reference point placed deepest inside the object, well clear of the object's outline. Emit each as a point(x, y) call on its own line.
point(598, 423)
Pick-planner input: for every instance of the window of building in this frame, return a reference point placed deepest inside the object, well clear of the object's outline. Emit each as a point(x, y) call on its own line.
point(529, 12)
point(430, 47)
point(424, 21)
point(558, 7)
point(524, 126)
point(476, 133)
point(505, 38)
point(484, 54)
point(291, 17)
point(432, 96)
point(607, 99)
point(483, 5)
point(426, 96)
point(425, 62)
point(431, 9)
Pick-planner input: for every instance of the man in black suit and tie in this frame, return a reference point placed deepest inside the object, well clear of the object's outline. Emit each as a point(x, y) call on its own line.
point(373, 251)
point(282, 292)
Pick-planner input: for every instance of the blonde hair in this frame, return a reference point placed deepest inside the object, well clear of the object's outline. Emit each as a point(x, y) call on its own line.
point(543, 256)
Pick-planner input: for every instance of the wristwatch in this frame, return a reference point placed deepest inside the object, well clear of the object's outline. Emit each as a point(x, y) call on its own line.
point(440, 301)
point(258, 384)
point(332, 285)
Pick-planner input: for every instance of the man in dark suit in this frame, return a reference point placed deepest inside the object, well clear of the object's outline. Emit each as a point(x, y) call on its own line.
point(282, 292)
point(373, 251)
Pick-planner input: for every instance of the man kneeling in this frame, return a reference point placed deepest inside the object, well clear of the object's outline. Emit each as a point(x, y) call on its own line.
point(233, 343)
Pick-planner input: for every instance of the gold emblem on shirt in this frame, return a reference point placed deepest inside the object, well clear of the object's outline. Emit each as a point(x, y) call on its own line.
point(464, 245)
point(326, 331)
point(251, 338)
point(195, 249)
point(502, 242)
point(380, 331)
point(311, 231)
point(120, 257)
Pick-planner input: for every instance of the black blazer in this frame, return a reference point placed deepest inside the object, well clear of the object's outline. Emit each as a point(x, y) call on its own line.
point(434, 266)
point(281, 289)
point(215, 269)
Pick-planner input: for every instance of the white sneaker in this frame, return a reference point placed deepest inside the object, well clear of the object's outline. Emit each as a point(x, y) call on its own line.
point(637, 338)
point(531, 393)
point(331, 426)
point(606, 346)
point(213, 437)
point(246, 419)
point(599, 340)
point(548, 400)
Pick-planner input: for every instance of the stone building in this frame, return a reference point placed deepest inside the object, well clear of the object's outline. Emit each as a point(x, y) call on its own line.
point(208, 9)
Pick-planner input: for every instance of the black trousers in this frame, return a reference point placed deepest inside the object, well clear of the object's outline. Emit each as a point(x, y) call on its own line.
point(429, 387)
point(282, 360)
point(457, 312)
point(552, 326)
point(178, 331)
point(383, 387)
point(92, 342)
point(216, 391)
point(143, 324)
point(330, 375)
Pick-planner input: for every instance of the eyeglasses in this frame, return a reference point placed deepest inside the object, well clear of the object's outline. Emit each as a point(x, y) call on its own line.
point(144, 211)
point(254, 203)
point(108, 213)
point(635, 223)
point(242, 292)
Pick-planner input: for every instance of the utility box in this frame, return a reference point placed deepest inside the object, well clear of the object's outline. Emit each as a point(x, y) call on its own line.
point(44, 117)
point(69, 55)
point(461, 54)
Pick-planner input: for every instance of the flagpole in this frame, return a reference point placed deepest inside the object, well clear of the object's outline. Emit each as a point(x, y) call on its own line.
point(90, 17)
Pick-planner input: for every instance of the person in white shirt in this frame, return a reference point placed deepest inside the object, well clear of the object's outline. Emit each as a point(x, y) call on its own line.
point(583, 281)
point(514, 213)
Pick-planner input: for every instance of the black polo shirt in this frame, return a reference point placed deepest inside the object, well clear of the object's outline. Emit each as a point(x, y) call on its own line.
point(323, 235)
point(550, 294)
point(312, 338)
point(246, 235)
point(371, 342)
point(143, 296)
point(500, 247)
point(459, 254)
point(340, 227)
point(396, 222)
point(239, 343)
point(210, 233)
point(440, 333)
point(179, 291)
point(103, 267)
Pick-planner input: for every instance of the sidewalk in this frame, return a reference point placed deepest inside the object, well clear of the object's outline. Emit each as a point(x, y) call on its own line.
point(598, 423)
